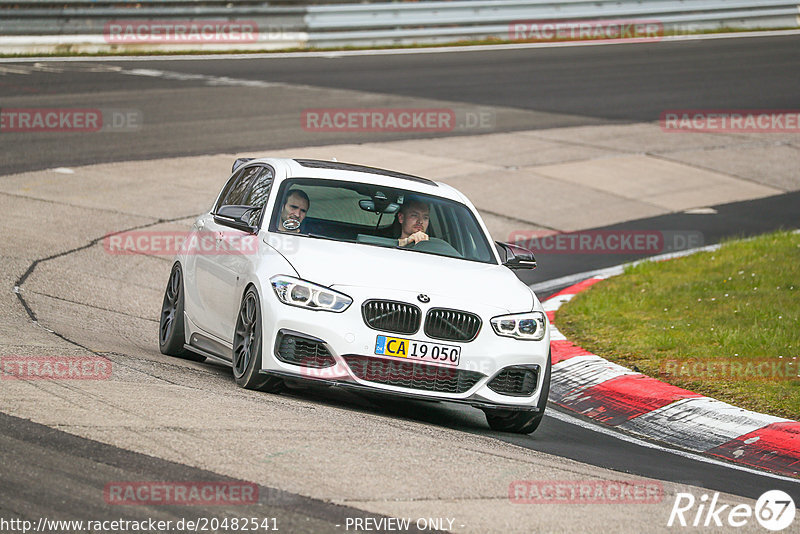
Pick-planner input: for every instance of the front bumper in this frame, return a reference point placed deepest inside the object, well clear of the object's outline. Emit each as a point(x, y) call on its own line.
point(346, 336)
point(475, 402)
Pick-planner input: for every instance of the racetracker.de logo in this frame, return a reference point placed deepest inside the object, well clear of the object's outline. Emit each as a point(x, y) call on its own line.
point(180, 31)
point(73, 120)
point(180, 493)
point(585, 492)
point(54, 368)
point(762, 369)
point(379, 120)
point(586, 30)
point(166, 243)
point(394, 370)
point(731, 120)
point(50, 120)
point(606, 241)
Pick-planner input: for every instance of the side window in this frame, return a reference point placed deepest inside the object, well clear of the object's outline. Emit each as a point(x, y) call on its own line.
point(236, 191)
point(259, 193)
point(228, 185)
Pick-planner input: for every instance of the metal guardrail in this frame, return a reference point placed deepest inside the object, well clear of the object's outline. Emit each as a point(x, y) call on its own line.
point(447, 21)
point(92, 20)
point(56, 4)
point(474, 12)
point(40, 25)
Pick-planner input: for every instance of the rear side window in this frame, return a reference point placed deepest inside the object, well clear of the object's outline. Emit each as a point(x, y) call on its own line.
point(237, 189)
point(248, 187)
point(258, 193)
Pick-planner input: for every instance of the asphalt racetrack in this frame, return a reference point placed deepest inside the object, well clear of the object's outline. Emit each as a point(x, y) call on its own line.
point(229, 106)
point(320, 457)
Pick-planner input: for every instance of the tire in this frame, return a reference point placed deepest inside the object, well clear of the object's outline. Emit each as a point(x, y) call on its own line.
point(521, 422)
point(171, 331)
point(247, 341)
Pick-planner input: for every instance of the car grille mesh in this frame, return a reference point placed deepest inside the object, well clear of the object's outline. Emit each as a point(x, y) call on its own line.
point(515, 381)
point(391, 316)
point(302, 351)
point(453, 325)
point(412, 375)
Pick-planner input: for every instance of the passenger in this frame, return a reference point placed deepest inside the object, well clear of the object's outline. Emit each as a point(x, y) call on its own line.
point(414, 216)
point(294, 211)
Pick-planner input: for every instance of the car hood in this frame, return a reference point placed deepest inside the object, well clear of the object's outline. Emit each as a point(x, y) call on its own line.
point(339, 265)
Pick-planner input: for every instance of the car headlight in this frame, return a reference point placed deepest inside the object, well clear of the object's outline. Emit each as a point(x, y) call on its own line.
point(296, 292)
point(529, 326)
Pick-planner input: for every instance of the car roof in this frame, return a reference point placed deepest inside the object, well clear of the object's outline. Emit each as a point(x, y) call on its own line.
point(340, 166)
point(350, 172)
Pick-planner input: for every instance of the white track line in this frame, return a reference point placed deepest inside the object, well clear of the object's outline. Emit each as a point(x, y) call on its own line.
point(561, 416)
point(407, 51)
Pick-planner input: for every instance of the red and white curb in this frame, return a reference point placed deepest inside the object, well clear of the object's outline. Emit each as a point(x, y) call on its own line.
point(608, 393)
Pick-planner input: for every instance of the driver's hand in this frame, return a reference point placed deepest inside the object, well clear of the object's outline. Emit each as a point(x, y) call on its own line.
point(416, 237)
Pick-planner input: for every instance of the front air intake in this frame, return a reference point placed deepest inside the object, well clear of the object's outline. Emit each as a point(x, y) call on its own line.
point(304, 351)
point(412, 375)
point(518, 381)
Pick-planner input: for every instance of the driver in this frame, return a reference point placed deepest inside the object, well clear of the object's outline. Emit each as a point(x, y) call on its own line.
point(413, 217)
point(294, 211)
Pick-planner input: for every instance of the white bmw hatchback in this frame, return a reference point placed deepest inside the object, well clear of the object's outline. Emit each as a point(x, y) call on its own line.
point(363, 278)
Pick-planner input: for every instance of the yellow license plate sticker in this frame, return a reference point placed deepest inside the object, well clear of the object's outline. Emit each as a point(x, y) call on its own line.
point(412, 349)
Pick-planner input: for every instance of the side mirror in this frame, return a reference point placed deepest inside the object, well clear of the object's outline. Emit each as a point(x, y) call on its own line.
point(237, 217)
point(516, 257)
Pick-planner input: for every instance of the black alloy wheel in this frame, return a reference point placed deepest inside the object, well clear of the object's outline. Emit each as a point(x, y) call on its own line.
point(171, 331)
point(247, 340)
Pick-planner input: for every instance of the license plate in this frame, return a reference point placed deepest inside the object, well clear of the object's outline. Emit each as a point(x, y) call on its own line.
point(411, 349)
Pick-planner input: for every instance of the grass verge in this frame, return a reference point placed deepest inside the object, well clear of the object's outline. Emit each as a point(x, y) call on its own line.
point(724, 324)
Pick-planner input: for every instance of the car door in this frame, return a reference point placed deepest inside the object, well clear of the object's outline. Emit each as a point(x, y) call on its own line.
point(229, 252)
point(199, 285)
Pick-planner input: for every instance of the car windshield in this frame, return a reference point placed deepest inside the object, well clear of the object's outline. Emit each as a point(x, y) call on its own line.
point(374, 215)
